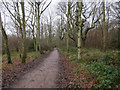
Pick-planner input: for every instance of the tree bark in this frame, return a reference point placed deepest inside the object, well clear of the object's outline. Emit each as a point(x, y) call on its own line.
point(79, 3)
point(24, 33)
point(6, 42)
point(39, 27)
point(46, 36)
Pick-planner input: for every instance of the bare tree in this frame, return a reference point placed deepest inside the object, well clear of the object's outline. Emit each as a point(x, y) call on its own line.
point(104, 27)
point(24, 33)
point(6, 41)
point(40, 9)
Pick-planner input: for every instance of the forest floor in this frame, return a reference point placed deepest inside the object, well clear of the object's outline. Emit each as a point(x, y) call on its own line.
point(59, 69)
point(45, 72)
point(96, 69)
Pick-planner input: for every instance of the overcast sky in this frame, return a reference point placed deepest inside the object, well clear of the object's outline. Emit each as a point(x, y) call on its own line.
point(51, 9)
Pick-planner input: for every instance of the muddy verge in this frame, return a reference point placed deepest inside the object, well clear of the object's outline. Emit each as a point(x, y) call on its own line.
point(12, 75)
point(64, 72)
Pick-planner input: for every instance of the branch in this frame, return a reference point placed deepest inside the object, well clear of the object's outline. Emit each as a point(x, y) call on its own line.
point(45, 7)
point(29, 15)
point(11, 12)
point(71, 38)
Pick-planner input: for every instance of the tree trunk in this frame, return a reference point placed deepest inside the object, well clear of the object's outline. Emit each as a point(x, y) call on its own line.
point(79, 29)
point(46, 36)
point(24, 33)
point(36, 19)
point(42, 31)
point(68, 27)
point(19, 29)
point(6, 42)
point(36, 42)
point(33, 28)
point(33, 36)
point(104, 27)
point(50, 34)
point(38, 29)
point(50, 31)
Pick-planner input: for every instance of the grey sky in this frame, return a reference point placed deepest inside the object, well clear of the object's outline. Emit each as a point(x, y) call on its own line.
point(51, 9)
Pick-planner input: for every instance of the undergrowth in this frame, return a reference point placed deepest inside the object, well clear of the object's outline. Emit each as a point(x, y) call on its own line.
point(102, 66)
point(17, 60)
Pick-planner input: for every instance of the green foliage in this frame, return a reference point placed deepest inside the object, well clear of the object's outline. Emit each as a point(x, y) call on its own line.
point(105, 74)
point(102, 65)
point(105, 69)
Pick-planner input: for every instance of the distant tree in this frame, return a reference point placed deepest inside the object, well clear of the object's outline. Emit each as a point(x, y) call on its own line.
point(46, 34)
point(32, 22)
point(88, 13)
point(40, 8)
point(17, 21)
point(68, 25)
point(61, 29)
point(18, 28)
point(115, 12)
point(50, 28)
point(6, 41)
point(38, 26)
point(95, 14)
point(104, 27)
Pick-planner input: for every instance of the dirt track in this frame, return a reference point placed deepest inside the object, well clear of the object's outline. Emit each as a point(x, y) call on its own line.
point(43, 76)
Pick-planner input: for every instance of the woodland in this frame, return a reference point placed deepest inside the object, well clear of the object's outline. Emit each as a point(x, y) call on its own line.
point(86, 35)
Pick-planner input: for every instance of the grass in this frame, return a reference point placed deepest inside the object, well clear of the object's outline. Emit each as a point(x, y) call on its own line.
point(16, 59)
point(97, 66)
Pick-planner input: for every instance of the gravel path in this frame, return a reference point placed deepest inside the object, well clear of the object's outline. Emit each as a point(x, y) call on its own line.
point(43, 76)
